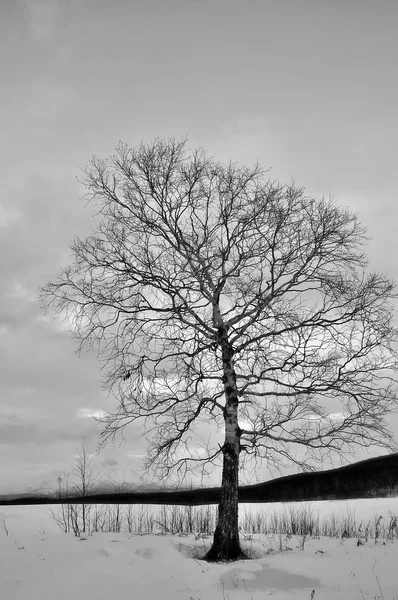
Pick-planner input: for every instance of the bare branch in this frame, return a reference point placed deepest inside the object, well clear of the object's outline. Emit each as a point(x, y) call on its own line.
point(207, 288)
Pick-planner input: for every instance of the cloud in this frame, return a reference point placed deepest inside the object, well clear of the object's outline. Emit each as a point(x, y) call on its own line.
point(109, 463)
point(89, 413)
point(8, 216)
point(48, 100)
point(14, 433)
point(336, 416)
point(19, 292)
point(42, 18)
point(245, 425)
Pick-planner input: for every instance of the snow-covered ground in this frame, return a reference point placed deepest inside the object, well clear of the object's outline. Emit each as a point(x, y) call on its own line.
point(39, 562)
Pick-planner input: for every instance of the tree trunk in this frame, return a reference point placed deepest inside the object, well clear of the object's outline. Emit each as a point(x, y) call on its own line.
point(226, 545)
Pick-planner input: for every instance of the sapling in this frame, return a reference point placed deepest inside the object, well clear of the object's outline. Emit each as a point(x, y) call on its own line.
point(392, 527)
point(378, 526)
point(3, 522)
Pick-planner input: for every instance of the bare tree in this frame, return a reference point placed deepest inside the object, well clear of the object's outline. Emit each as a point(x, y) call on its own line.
point(72, 516)
point(85, 482)
point(208, 288)
point(3, 523)
point(62, 516)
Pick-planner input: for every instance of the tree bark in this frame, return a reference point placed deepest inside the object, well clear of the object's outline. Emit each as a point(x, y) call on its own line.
point(226, 544)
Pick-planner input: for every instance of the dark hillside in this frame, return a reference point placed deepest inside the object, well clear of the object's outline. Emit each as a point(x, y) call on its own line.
point(371, 478)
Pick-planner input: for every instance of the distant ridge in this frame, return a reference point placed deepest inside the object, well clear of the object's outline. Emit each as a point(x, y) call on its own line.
point(370, 478)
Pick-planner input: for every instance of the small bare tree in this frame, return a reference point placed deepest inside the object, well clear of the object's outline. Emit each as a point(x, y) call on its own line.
point(62, 516)
point(72, 516)
point(85, 483)
point(215, 294)
point(3, 523)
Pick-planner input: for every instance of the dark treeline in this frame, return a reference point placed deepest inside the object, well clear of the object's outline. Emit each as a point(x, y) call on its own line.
point(371, 478)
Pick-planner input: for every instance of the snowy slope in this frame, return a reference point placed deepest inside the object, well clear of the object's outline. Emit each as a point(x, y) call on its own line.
point(46, 564)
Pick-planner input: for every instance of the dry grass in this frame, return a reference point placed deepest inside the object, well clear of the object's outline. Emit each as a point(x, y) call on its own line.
point(304, 521)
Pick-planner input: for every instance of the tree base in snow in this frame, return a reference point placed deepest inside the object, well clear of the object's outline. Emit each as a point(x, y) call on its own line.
point(221, 555)
point(225, 549)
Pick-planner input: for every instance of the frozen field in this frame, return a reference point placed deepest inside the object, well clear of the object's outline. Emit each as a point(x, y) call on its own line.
point(39, 562)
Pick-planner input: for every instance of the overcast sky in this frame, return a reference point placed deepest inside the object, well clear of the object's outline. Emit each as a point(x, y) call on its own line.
point(309, 88)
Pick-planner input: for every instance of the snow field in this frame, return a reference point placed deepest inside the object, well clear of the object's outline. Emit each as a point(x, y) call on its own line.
point(38, 561)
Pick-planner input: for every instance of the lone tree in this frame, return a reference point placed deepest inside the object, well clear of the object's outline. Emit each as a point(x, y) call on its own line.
point(214, 294)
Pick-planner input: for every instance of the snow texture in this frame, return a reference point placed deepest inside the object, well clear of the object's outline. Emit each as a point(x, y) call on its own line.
point(39, 562)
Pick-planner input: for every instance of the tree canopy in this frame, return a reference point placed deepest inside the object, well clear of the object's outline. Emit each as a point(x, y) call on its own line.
point(190, 252)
